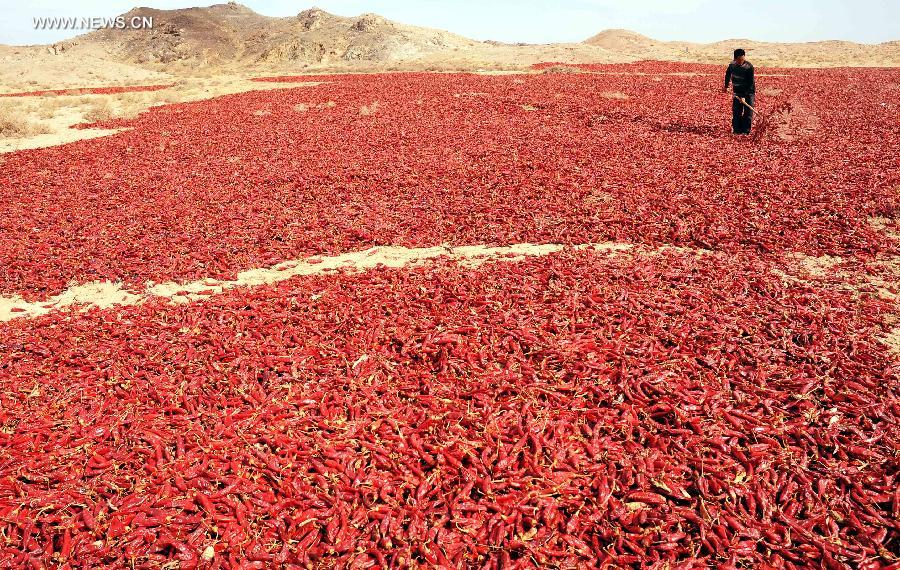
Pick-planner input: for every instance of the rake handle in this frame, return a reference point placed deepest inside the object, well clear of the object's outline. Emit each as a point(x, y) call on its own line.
point(745, 104)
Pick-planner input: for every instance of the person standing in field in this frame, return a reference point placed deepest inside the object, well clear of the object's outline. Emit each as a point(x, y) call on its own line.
point(740, 75)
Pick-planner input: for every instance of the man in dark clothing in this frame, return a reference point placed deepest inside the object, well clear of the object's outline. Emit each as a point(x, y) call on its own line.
point(740, 75)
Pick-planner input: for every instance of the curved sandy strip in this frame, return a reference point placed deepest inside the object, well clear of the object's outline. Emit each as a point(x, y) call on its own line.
point(107, 294)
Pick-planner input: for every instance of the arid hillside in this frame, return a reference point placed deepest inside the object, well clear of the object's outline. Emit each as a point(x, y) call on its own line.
point(226, 34)
point(809, 54)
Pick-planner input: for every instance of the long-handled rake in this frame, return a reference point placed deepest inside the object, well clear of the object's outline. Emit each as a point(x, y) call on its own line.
point(763, 120)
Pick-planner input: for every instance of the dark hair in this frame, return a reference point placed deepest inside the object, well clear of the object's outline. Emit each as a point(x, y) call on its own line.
point(739, 52)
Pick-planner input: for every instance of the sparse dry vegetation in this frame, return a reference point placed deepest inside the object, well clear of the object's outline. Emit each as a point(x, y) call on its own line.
point(564, 69)
point(14, 123)
point(101, 110)
point(130, 105)
point(49, 108)
point(24, 117)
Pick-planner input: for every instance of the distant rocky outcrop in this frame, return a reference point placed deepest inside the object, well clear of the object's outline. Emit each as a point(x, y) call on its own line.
point(232, 36)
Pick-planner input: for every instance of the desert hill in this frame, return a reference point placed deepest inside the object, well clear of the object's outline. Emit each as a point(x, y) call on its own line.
point(232, 34)
point(808, 54)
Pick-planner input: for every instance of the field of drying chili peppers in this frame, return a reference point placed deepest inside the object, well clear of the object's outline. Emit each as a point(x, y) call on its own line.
point(697, 400)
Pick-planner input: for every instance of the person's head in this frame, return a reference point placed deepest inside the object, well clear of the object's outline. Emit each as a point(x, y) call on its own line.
point(739, 55)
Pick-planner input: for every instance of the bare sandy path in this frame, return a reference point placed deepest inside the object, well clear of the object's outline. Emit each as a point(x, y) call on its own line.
point(105, 294)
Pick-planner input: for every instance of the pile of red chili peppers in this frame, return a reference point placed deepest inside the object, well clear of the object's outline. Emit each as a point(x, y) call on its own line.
point(210, 188)
point(711, 404)
point(88, 90)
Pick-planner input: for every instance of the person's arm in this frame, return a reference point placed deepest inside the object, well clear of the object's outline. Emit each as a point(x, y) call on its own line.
point(727, 78)
point(752, 79)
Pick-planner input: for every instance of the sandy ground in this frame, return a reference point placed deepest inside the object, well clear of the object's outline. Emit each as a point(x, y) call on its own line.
point(44, 126)
point(45, 120)
point(33, 68)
